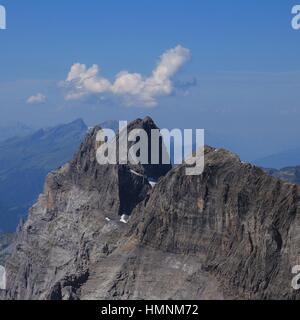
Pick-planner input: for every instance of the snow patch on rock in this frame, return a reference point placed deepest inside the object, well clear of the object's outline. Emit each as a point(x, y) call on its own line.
point(152, 182)
point(124, 218)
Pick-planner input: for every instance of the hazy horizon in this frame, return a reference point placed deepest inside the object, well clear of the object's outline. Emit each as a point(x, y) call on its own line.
point(236, 74)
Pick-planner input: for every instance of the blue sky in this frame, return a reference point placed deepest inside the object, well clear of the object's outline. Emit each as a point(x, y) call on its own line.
point(242, 83)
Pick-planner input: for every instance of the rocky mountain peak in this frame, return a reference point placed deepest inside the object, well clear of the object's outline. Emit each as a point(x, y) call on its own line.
point(230, 233)
point(85, 159)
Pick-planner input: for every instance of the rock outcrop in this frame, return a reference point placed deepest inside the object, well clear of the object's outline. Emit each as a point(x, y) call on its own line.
point(75, 222)
point(241, 224)
point(231, 233)
point(6, 243)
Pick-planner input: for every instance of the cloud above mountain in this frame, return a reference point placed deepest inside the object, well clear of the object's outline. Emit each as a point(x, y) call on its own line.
point(37, 99)
point(133, 88)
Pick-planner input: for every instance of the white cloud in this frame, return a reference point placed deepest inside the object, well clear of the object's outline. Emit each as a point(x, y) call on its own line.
point(85, 81)
point(37, 99)
point(133, 87)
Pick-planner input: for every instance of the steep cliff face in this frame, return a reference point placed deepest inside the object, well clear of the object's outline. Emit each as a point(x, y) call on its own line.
point(6, 241)
point(232, 232)
point(242, 224)
point(74, 223)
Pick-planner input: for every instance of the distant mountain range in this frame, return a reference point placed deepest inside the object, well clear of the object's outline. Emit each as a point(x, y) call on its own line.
point(280, 160)
point(289, 174)
point(284, 165)
point(14, 130)
point(25, 162)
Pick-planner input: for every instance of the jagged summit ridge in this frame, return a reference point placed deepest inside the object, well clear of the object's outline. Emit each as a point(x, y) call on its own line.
point(232, 232)
point(79, 211)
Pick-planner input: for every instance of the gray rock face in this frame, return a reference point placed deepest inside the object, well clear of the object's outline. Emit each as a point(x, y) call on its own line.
point(148, 170)
point(231, 233)
point(242, 224)
point(68, 229)
point(6, 244)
